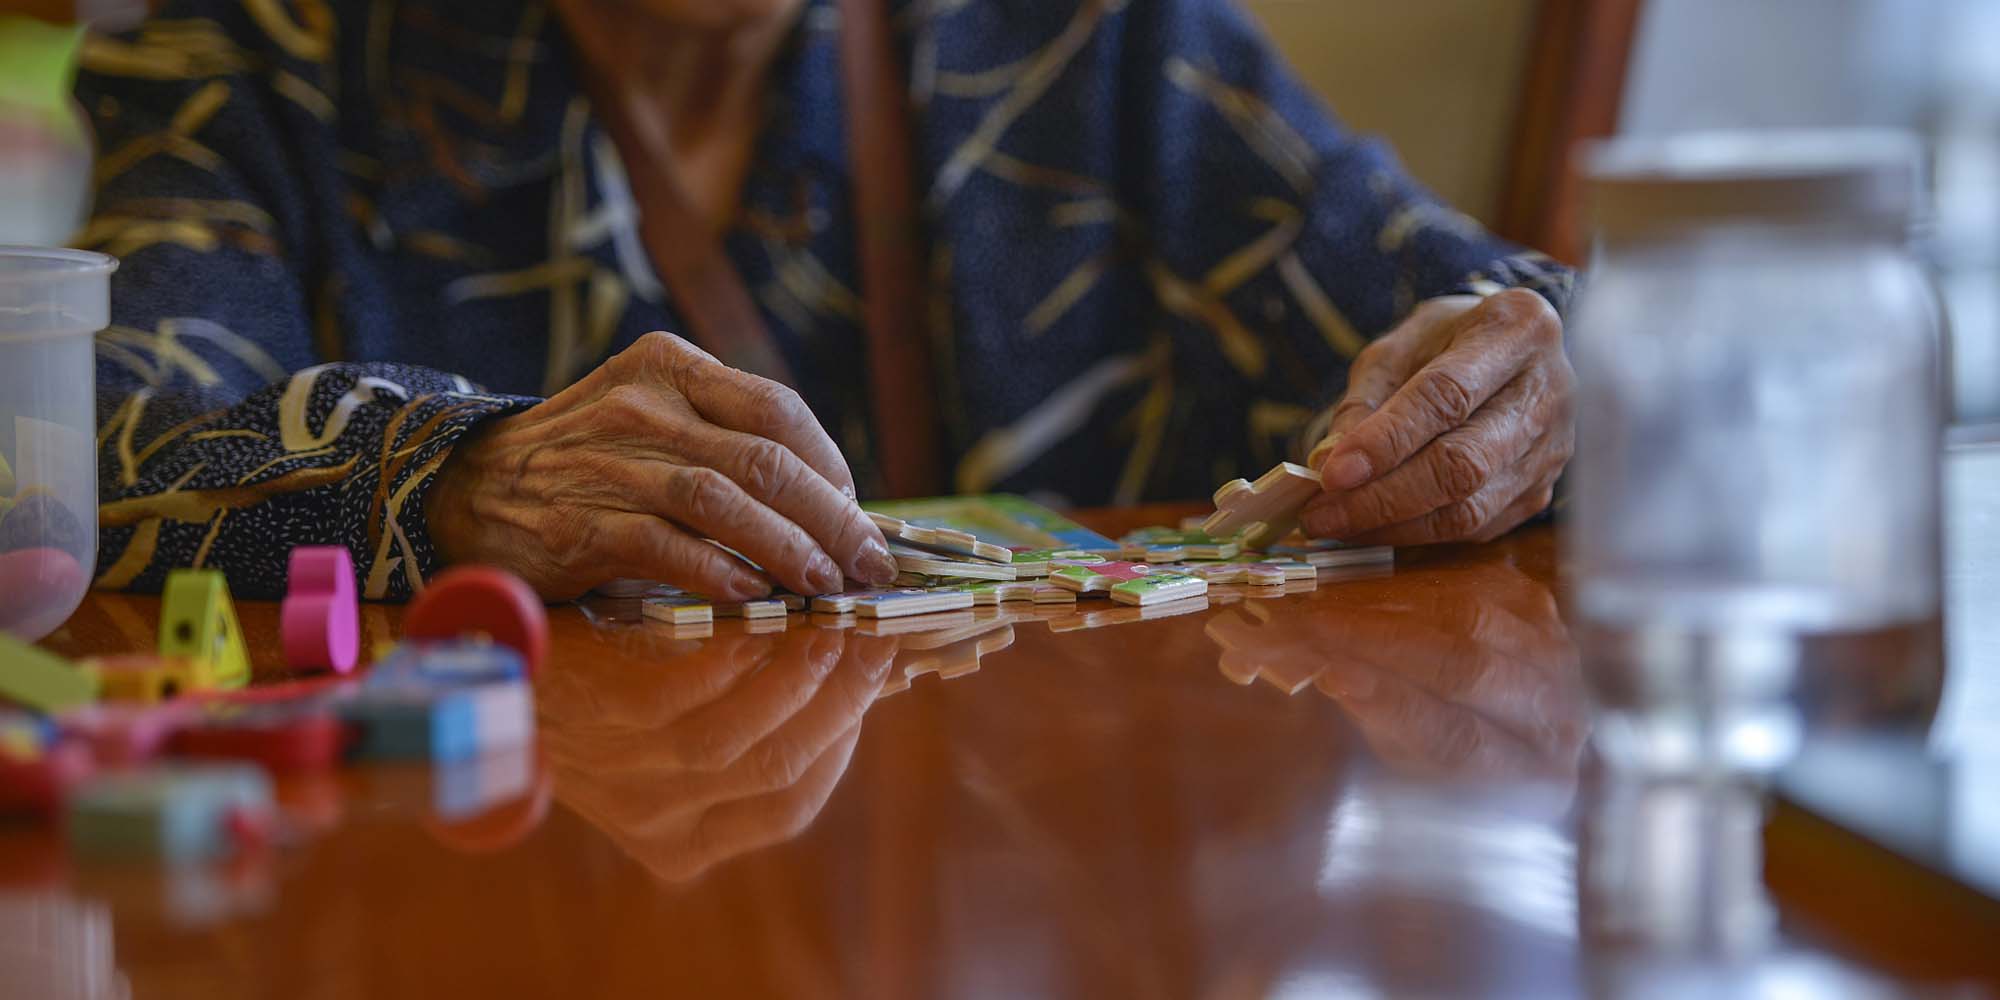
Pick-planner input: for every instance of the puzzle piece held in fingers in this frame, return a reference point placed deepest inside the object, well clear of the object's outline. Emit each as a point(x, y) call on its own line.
point(1265, 511)
point(958, 543)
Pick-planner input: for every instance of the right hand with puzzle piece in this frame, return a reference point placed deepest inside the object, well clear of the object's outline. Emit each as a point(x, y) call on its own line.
point(625, 473)
point(1455, 426)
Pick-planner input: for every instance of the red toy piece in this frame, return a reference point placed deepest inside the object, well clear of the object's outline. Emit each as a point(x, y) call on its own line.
point(320, 622)
point(279, 737)
point(470, 601)
point(37, 785)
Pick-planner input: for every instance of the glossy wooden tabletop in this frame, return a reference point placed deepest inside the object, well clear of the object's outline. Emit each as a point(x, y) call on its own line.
point(1366, 789)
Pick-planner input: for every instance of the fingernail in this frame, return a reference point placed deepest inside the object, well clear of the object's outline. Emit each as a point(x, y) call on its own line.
point(1320, 451)
point(875, 564)
point(1347, 471)
point(822, 573)
point(750, 586)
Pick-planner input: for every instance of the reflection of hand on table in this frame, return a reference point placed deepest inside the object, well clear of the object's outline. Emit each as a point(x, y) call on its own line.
point(1476, 675)
point(706, 751)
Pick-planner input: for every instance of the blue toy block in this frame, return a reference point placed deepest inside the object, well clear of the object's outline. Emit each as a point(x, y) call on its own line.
point(420, 664)
point(421, 721)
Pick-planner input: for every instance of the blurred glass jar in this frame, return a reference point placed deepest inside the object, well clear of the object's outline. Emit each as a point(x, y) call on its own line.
point(1755, 530)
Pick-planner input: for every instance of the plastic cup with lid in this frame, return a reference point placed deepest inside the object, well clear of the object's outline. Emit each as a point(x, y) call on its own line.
point(52, 302)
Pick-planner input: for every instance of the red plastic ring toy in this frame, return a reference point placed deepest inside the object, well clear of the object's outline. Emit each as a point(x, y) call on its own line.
point(482, 600)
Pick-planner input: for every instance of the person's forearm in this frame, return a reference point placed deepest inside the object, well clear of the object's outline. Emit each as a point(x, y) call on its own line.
point(332, 455)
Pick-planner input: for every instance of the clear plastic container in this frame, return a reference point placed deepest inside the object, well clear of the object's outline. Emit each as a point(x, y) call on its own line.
point(1755, 529)
point(51, 303)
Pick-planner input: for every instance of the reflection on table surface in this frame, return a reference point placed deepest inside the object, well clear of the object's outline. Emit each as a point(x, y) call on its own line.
point(1367, 786)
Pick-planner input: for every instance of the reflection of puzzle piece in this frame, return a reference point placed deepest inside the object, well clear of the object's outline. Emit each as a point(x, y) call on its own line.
point(1030, 563)
point(1159, 588)
point(992, 593)
point(1164, 545)
point(909, 560)
point(892, 603)
point(678, 609)
point(1230, 593)
point(1291, 568)
point(910, 625)
point(1261, 513)
point(1126, 614)
point(769, 607)
point(958, 543)
point(1325, 553)
point(1255, 574)
point(954, 659)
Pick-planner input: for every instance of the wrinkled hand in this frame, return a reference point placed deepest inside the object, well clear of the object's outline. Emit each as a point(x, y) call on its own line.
point(690, 754)
point(623, 475)
point(1454, 427)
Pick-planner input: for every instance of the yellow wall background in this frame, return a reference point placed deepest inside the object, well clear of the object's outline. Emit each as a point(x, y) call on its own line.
point(1438, 78)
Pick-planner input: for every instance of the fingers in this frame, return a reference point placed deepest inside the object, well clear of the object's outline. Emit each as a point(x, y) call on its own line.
point(647, 548)
point(1484, 516)
point(1485, 349)
point(1484, 452)
point(751, 430)
point(770, 473)
point(712, 505)
point(747, 403)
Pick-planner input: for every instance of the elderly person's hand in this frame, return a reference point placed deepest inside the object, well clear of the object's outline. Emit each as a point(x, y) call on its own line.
point(625, 473)
point(1454, 427)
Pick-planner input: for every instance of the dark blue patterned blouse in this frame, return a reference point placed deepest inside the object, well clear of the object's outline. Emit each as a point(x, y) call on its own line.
point(354, 229)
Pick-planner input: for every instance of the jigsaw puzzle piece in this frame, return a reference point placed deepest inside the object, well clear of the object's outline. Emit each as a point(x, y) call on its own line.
point(1158, 588)
point(1097, 577)
point(1030, 563)
point(946, 540)
point(909, 560)
point(1264, 512)
point(677, 609)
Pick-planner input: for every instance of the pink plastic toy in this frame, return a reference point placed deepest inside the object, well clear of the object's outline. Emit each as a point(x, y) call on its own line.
point(320, 621)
